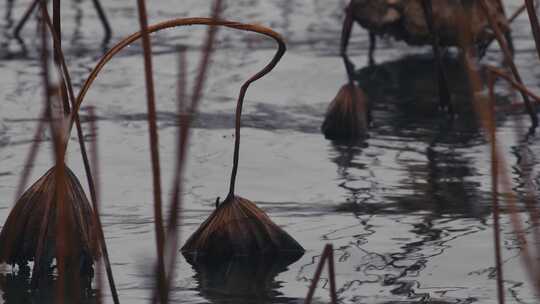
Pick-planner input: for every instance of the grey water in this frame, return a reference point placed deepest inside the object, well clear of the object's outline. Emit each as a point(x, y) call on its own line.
point(407, 210)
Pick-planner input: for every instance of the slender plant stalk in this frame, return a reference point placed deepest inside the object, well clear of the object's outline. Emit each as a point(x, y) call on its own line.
point(508, 58)
point(154, 151)
point(533, 18)
point(516, 14)
point(518, 86)
point(326, 256)
point(32, 153)
point(482, 110)
point(63, 240)
point(94, 155)
point(24, 19)
point(104, 21)
point(47, 103)
point(185, 115)
point(495, 193)
point(91, 186)
point(28, 12)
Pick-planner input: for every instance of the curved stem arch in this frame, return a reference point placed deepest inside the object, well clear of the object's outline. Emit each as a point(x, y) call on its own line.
point(195, 21)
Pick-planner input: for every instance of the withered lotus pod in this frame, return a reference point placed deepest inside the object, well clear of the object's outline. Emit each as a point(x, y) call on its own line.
point(20, 234)
point(238, 228)
point(346, 117)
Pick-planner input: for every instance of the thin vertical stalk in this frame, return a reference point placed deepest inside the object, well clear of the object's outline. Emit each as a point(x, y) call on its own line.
point(154, 150)
point(508, 58)
point(185, 115)
point(518, 86)
point(326, 256)
point(32, 153)
point(24, 19)
point(104, 20)
point(480, 107)
point(495, 193)
point(95, 169)
point(516, 14)
point(47, 104)
point(57, 29)
point(91, 186)
point(535, 27)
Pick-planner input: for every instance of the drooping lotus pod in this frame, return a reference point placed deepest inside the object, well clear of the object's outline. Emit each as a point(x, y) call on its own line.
point(346, 117)
point(238, 228)
point(20, 234)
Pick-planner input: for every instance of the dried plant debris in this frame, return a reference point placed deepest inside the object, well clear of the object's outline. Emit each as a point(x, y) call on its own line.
point(238, 228)
point(346, 117)
point(19, 235)
point(405, 20)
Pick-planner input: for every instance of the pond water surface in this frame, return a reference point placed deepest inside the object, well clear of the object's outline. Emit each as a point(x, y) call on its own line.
point(407, 210)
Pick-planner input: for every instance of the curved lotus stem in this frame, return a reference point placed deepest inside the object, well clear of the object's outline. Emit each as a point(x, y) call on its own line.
point(195, 21)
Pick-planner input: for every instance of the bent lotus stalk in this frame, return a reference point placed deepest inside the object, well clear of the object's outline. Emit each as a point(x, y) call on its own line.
point(232, 203)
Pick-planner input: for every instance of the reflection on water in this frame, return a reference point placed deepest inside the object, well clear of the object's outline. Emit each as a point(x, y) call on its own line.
point(241, 280)
point(437, 184)
point(16, 289)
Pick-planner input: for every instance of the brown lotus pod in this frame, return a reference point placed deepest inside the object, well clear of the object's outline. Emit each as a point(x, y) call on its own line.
point(20, 234)
point(238, 228)
point(346, 117)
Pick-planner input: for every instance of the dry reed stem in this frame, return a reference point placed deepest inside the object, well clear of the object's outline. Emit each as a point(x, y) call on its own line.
point(63, 240)
point(482, 111)
point(104, 21)
point(185, 117)
point(24, 19)
point(508, 59)
point(64, 72)
point(97, 5)
point(535, 27)
point(32, 153)
point(326, 256)
point(94, 152)
point(57, 30)
point(495, 193)
point(47, 103)
point(185, 114)
point(516, 14)
point(518, 86)
point(530, 201)
point(154, 150)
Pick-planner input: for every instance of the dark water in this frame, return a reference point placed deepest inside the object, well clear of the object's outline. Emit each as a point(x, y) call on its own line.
point(407, 210)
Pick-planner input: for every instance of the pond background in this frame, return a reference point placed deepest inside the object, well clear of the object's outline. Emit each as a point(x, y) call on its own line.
point(407, 210)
